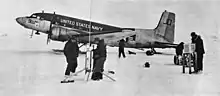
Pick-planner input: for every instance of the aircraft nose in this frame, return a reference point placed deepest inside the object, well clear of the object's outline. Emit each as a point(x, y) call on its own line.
point(20, 20)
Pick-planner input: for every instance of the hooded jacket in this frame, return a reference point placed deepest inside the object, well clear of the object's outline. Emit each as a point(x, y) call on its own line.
point(71, 49)
point(121, 44)
point(100, 51)
point(199, 45)
point(179, 49)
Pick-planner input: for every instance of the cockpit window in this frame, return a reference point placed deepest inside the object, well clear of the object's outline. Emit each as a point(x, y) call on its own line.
point(31, 21)
point(33, 16)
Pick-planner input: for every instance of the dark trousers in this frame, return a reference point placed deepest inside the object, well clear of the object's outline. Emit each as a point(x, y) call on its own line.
point(98, 67)
point(94, 65)
point(200, 61)
point(71, 66)
point(121, 51)
point(199, 66)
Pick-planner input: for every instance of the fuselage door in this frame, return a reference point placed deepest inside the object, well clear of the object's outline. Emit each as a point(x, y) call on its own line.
point(131, 41)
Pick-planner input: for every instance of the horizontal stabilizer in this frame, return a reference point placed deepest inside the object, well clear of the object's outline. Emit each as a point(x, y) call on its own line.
point(165, 45)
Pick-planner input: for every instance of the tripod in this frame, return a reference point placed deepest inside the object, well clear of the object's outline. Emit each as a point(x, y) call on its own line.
point(89, 66)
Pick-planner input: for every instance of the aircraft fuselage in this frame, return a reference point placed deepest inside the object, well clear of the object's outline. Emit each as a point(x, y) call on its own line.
point(60, 28)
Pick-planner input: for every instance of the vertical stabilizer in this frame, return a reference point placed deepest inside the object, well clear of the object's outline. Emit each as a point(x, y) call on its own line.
point(166, 26)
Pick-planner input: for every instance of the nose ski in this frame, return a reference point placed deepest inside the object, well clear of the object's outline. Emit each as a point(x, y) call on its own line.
point(67, 81)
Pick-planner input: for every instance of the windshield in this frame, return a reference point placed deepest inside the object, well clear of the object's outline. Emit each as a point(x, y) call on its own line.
point(33, 16)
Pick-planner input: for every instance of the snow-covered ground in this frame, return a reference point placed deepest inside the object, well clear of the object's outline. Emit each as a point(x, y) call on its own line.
point(28, 67)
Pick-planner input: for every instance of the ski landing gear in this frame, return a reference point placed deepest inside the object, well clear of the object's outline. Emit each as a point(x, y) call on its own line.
point(67, 80)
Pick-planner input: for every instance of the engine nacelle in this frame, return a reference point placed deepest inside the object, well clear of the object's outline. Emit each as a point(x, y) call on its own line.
point(59, 34)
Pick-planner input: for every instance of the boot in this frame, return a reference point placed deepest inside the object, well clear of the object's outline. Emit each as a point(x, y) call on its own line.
point(94, 76)
point(99, 75)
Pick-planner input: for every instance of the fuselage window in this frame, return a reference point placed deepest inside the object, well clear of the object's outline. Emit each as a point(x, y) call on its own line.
point(38, 17)
point(33, 16)
point(31, 21)
point(131, 38)
point(126, 39)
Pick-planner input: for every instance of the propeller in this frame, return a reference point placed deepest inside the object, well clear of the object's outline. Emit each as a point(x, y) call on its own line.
point(32, 34)
point(49, 34)
point(48, 38)
point(37, 31)
point(50, 31)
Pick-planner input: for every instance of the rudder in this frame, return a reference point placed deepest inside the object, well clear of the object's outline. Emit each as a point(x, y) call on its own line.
point(166, 26)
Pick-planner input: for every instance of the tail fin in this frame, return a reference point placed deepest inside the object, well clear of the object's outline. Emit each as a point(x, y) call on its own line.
point(166, 26)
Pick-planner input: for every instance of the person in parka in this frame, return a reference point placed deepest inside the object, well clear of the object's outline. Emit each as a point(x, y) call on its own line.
point(99, 56)
point(179, 49)
point(121, 48)
point(71, 52)
point(179, 52)
point(197, 40)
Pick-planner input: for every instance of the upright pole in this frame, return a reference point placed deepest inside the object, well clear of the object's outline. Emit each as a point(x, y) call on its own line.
point(90, 23)
point(88, 61)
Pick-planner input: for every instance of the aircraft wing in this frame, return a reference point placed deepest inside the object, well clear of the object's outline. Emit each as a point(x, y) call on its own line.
point(71, 30)
point(165, 45)
point(85, 33)
point(115, 36)
point(82, 33)
point(94, 33)
point(109, 36)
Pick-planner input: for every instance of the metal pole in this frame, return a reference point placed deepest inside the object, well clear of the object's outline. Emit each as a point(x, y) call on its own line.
point(88, 51)
point(90, 23)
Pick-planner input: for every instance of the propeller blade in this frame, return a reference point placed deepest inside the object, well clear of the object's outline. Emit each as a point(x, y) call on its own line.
point(50, 30)
point(48, 39)
point(32, 33)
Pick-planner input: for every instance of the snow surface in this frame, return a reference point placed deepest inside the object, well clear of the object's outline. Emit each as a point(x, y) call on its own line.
point(30, 68)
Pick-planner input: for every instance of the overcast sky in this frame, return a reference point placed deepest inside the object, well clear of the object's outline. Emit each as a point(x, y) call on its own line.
point(191, 15)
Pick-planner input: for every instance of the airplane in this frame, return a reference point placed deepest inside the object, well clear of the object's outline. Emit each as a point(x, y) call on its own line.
point(61, 28)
